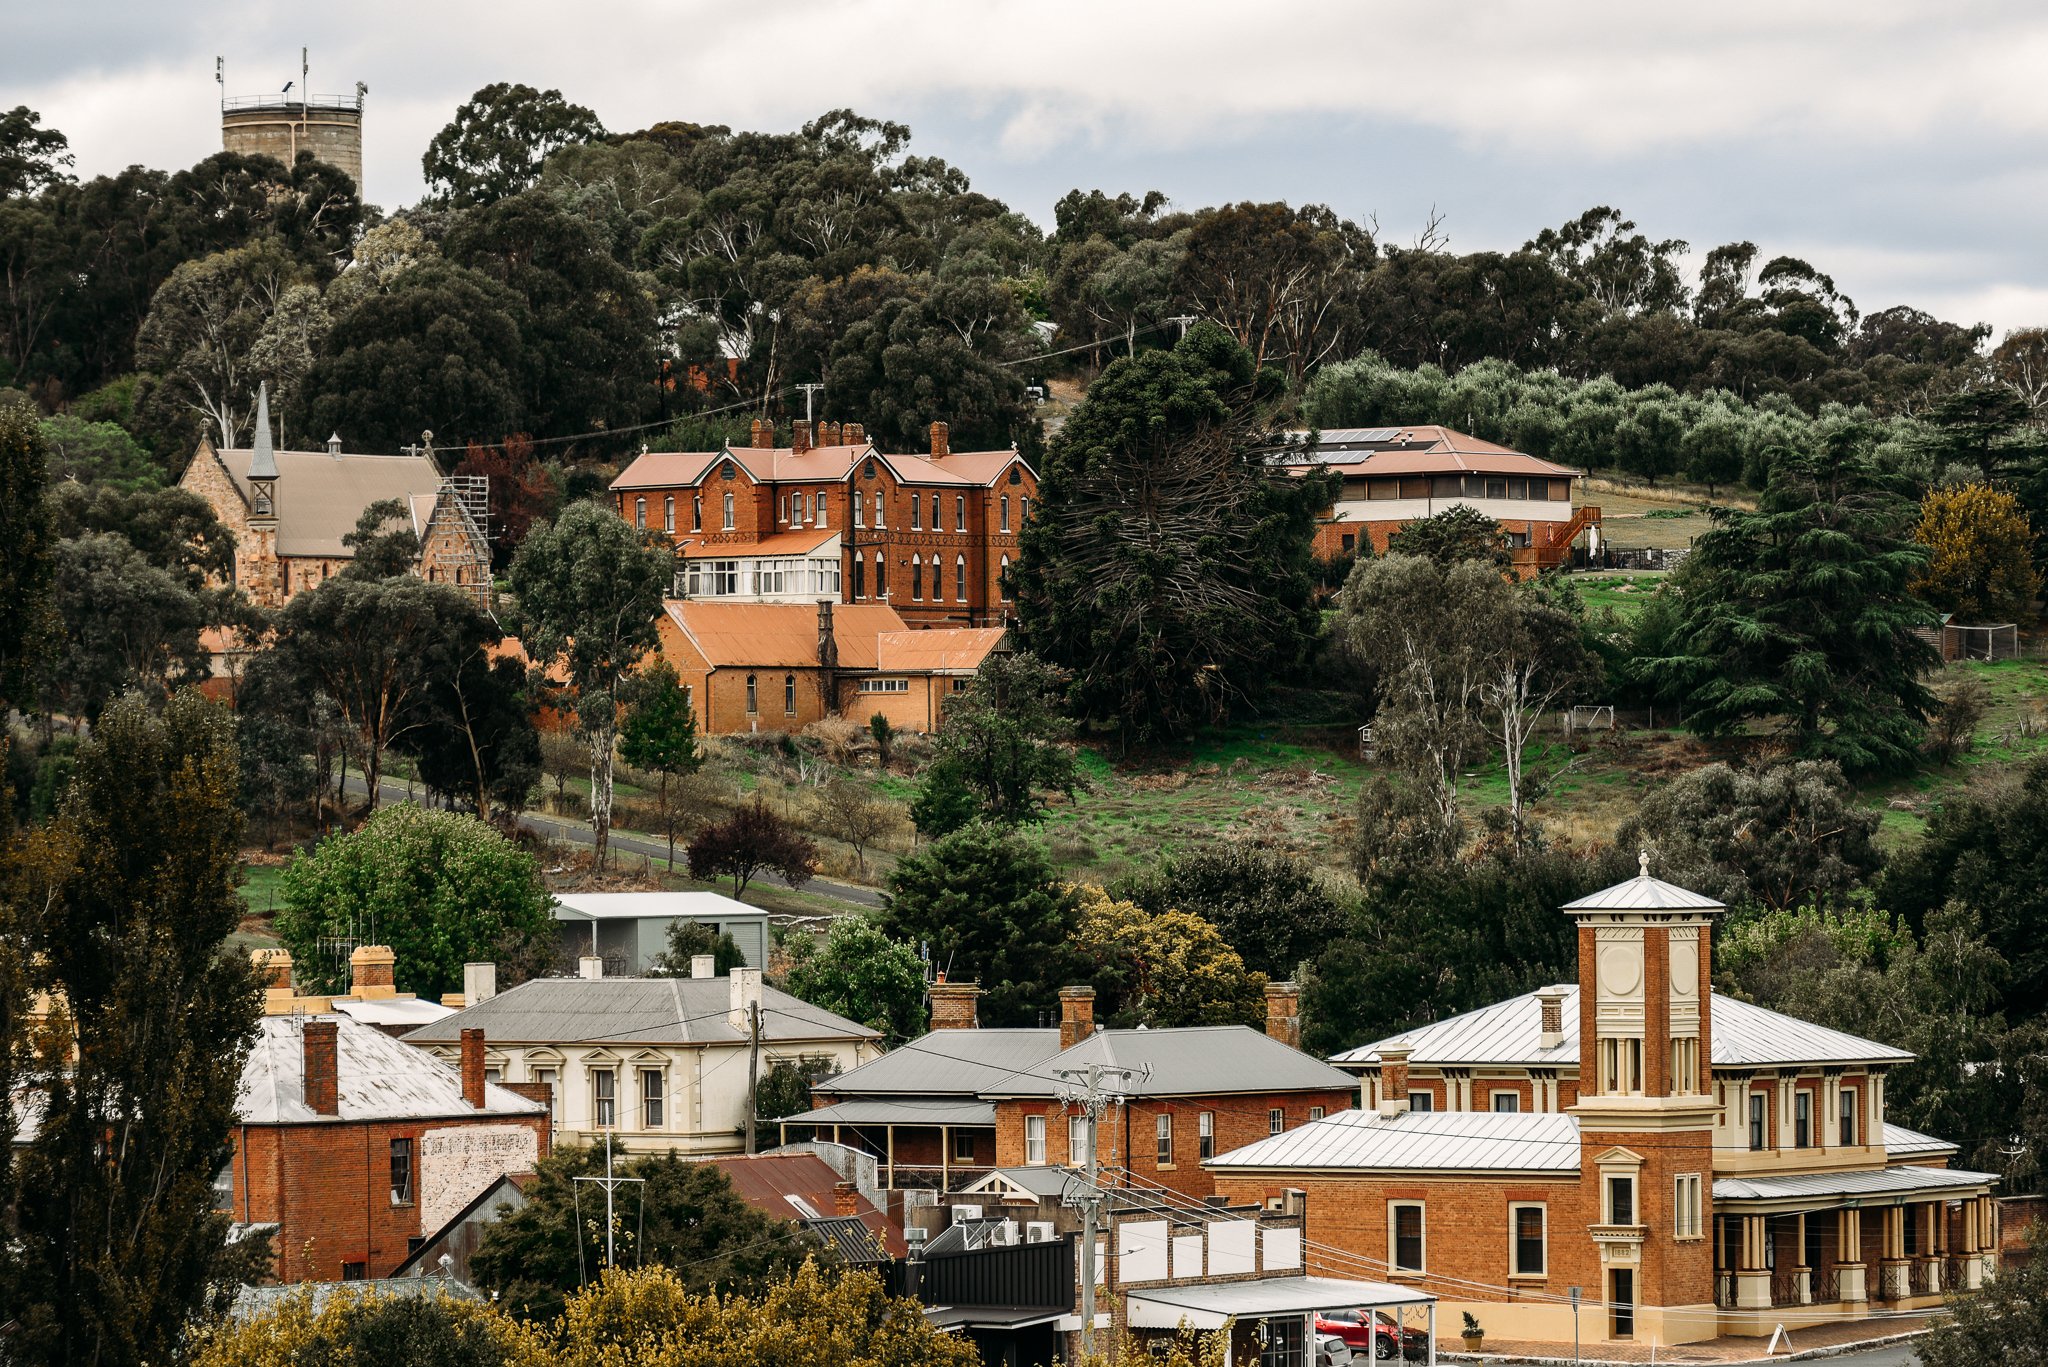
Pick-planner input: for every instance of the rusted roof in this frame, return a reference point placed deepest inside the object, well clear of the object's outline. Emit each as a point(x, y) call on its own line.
point(945, 650)
point(801, 1186)
point(780, 635)
point(376, 1078)
point(781, 543)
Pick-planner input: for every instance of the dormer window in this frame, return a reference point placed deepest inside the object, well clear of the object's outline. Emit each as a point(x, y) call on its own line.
point(725, 471)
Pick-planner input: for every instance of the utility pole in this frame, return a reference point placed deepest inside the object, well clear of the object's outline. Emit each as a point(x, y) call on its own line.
point(610, 1184)
point(1082, 1087)
point(810, 393)
point(1186, 320)
point(753, 1068)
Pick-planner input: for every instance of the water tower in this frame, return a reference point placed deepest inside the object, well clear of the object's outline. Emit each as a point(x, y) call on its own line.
point(293, 121)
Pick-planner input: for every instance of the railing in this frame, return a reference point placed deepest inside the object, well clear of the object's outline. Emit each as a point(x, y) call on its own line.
point(1785, 1287)
point(930, 1176)
point(1827, 1285)
point(1952, 1277)
point(1922, 1278)
point(283, 102)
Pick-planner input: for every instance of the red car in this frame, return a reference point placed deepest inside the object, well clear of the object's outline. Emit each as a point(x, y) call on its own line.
point(1373, 1332)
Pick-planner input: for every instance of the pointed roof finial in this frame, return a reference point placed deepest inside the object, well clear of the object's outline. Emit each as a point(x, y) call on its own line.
point(262, 459)
point(1643, 862)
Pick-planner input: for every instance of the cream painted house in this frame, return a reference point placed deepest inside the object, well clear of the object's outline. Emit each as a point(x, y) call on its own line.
point(657, 1063)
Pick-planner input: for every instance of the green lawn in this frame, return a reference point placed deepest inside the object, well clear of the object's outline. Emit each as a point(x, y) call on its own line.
point(1624, 591)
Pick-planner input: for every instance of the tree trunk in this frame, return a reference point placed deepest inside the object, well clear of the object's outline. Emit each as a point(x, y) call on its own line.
point(601, 792)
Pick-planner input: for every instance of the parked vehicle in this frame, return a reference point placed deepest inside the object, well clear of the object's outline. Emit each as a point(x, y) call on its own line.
point(1373, 1333)
point(1332, 1351)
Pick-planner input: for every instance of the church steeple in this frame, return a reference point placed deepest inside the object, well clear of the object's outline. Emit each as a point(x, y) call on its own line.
point(262, 463)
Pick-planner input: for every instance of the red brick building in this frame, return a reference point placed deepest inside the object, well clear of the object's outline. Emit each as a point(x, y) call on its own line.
point(946, 1109)
point(1397, 475)
point(351, 1145)
point(931, 535)
point(1698, 1165)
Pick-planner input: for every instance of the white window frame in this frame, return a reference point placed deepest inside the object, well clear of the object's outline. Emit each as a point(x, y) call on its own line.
point(916, 511)
point(1077, 1141)
point(1276, 1120)
point(1034, 1141)
point(604, 1091)
point(1515, 1240)
point(640, 514)
point(727, 507)
point(1394, 1264)
point(1004, 503)
point(1162, 1131)
point(653, 1098)
point(959, 512)
point(1205, 1127)
point(668, 513)
point(1422, 1102)
point(960, 578)
point(1688, 1218)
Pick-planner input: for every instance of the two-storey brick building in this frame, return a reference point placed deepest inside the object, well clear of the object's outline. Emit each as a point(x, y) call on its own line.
point(1698, 1165)
point(832, 516)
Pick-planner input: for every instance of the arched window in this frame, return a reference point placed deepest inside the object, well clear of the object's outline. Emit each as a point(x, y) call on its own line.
point(860, 578)
point(1003, 583)
point(960, 577)
point(1026, 518)
point(728, 510)
point(881, 576)
point(752, 696)
point(1006, 512)
point(916, 579)
point(917, 512)
point(938, 577)
point(696, 512)
point(640, 512)
point(959, 512)
point(668, 513)
point(789, 695)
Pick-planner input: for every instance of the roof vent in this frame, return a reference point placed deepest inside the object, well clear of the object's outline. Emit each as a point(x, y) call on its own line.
point(334, 444)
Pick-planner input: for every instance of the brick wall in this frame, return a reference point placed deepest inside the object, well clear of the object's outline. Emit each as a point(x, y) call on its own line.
point(1129, 1137)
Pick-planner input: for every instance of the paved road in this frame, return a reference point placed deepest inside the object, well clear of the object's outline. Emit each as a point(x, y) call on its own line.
point(579, 833)
point(1893, 1355)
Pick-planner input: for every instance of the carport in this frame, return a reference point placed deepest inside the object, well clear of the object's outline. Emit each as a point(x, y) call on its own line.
point(1280, 1310)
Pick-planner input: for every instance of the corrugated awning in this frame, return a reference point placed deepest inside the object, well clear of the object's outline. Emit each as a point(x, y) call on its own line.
point(1903, 1180)
point(888, 1111)
point(1208, 1306)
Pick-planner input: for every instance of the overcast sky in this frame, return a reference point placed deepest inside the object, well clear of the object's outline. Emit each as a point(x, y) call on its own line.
point(1898, 146)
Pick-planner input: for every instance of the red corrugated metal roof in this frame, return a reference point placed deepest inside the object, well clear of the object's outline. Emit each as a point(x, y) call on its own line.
point(781, 635)
point(958, 650)
point(781, 543)
point(768, 1181)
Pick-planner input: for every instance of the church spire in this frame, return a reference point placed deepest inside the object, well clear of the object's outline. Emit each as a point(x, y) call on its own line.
point(263, 460)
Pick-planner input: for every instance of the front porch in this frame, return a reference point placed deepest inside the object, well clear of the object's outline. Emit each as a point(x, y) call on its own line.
point(917, 1144)
point(1810, 1249)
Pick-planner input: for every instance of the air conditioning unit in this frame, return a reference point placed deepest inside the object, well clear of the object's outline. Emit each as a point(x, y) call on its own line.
point(962, 1213)
point(1039, 1232)
point(1003, 1235)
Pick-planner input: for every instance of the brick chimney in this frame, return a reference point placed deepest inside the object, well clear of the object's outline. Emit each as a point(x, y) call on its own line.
point(828, 645)
point(274, 966)
point(1552, 1001)
point(763, 434)
point(372, 973)
point(953, 1005)
point(1393, 1079)
point(828, 434)
point(473, 1067)
point(939, 447)
point(1077, 1015)
point(845, 1198)
point(703, 965)
point(856, 434)
point(1283, 1013)
point(322, 1080)
point(800, 436)
point(743, 995)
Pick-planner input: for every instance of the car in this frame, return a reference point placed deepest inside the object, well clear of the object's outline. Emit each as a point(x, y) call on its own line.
point(1374, 1333)
point(1332, 1351)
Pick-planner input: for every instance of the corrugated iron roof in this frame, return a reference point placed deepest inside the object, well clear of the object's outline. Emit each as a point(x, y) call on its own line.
point(1644, 893)
point(802, 1187)
point(1420, 1141)
point(1209, 1305)
point(851, 1238)
point(377, 1078)
point(1900, 1142)
point(320, 496)
point(825, 541)
point(626, 1011)
point(783, 464)
point(1508, 1033)
point(956, 1063)
point(392, 1010)
point(1901, 1180)
point(1212, 1060)
point(897, 1111)
point(632, 906)
point(781, 635)
point(942, 650)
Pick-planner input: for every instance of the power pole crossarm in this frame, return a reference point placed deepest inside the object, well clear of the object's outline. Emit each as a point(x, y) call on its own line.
point(1083, 1087)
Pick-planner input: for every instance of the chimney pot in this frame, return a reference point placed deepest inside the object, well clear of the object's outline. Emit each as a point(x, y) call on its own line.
point(479, 982)
point(828, 434)
point(953, 1005)
point(372, 971)
point(473, 1068)
point(590, 966)
point(800, 438)
point(1077, 1015)
point(703, 965)
point(1283, 1013)
point(763, 434)
point(1393, 1079)
point(845, 1199)
point(939, 445)
point(322, 1084)
point(275, 966)
point(856, 434)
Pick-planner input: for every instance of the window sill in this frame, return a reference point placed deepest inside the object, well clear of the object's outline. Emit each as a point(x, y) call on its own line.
point(1528, 1276)
point(1166, 1167)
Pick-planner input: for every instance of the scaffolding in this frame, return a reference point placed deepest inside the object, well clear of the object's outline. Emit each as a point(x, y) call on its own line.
point(466, 556)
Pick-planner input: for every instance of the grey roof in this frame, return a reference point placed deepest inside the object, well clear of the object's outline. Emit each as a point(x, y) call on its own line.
point(946, 1063)
point(1044, 1181)
point(1507, 1033)
point(1900, 1142)
point(392, 1010)
point(1420, 1141)
point(1894, 1181)
point(377, 1078)
point(629, 1011)
point(964, 1236)
point(627, 906)
point(898, 1111)
point(320, 496)
point(849, 1237)
point(1644, 893)
point(1211, 1060)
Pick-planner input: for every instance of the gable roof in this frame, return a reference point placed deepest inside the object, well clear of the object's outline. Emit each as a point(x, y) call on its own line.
point(623, 1012)
point(802, 1187)
point(783, 464)
point(1510, 1033)
point(1417, 449)
point(634, 906)
point(1420, 1141)
point(320, 496)
point(941, 650)
point(376, 1078)
point(800, 542)
point(945, 1063)
point(1204, 1060)
point(780, 635)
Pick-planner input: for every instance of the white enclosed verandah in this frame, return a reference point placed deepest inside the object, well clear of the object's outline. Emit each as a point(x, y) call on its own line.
point(1281, 1309)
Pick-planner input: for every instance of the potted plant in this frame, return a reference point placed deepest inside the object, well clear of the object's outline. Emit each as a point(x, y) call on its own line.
point(1473, 1335)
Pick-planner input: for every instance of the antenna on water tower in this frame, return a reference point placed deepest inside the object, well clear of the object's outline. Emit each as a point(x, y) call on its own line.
point(220, 78)
point(304, 71)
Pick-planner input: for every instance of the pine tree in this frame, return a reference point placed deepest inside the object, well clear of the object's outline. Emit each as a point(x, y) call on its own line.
point(117, 1235)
